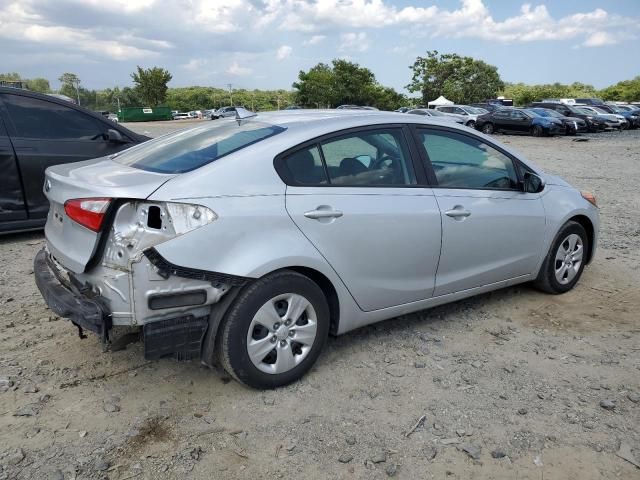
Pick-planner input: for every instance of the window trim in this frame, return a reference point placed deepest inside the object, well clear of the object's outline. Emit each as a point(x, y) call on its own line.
point(517, 164)
point(405, 133)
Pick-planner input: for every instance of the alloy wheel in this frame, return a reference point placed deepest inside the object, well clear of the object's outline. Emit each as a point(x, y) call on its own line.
point(568, 259)
point(282, 333)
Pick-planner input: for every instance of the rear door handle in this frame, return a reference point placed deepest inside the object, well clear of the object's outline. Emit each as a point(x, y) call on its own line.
point(317, 214)
point(457, 212)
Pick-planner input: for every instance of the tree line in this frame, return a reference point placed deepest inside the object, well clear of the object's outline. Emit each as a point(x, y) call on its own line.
point(460, 79)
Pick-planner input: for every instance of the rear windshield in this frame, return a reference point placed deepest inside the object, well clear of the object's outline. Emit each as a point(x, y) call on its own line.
point(187, 150)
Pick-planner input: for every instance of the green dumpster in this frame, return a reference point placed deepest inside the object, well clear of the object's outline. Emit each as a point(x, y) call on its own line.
point(144, 114)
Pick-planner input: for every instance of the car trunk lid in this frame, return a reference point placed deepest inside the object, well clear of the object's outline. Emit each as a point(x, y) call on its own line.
point(71, 244)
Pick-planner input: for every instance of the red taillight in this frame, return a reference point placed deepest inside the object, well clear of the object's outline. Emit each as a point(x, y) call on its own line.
point(88, 212)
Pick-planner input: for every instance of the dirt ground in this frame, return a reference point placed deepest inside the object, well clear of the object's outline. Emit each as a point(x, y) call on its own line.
point(514, 384)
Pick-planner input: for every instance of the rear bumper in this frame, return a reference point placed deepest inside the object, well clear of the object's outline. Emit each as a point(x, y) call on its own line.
point(86, 313)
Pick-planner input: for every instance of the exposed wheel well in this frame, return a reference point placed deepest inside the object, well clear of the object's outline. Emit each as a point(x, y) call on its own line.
point(588, 226)
point(329, 291)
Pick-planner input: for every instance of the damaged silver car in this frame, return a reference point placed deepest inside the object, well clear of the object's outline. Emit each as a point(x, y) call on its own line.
point(246, 242)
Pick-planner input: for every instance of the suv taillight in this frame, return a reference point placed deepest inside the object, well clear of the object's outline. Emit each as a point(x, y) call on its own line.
point(88, 212)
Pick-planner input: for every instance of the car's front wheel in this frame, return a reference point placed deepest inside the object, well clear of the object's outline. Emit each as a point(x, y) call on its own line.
point(471, 124)
point(564, 263)
point(274, 331)
point(487, 128)
point(537, 131)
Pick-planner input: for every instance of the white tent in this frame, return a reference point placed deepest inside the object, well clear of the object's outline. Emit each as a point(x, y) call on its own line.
point(439, 101)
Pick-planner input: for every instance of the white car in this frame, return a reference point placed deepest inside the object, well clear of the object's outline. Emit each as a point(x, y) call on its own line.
point(468, 114)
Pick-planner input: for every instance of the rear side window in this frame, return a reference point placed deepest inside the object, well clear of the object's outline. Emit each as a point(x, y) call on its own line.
point(187, 150)
point(461, 161)
point(358, 159)
point(305, 167)
point(35, 118)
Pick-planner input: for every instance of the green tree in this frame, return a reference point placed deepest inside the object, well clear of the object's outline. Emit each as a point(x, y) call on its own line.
point(626, 90)
point(39, 85)
point(343, 82)
point(151, 84)
point(70, 86)
point(315, 88)
point(10, 77)
point(460, 79)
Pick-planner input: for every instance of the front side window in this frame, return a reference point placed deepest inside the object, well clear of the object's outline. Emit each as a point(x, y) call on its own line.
point(35, 118)
point(371, 157)
point(461, 161)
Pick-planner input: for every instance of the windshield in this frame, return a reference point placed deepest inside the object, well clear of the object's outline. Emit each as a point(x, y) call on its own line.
point(437, 113)
point(599, 110)
point(187, 150)
point(584, 111)
point(474, 110)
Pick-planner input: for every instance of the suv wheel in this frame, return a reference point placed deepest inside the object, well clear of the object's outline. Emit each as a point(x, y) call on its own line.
point(274, 331)
point(537, 131)
point(471, 124)
point(487, 128)
point(565, 261)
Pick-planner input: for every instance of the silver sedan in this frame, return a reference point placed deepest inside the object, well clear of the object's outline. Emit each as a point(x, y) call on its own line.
point(250, 240)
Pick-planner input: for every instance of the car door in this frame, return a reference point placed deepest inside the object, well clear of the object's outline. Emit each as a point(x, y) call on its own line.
point(46, 133)
point(519, 121)
point(491, 229)
point(501, 120)
point(358, 199)
point(12, 204)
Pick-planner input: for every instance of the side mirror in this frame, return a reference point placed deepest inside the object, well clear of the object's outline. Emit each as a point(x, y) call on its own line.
point(116, 137)
point(532, 183)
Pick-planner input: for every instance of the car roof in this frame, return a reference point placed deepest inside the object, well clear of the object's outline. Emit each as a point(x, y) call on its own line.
point(59, 101)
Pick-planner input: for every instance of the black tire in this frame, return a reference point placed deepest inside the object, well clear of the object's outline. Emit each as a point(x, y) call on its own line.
point(487, 128)
point(471, 124)
point(537, 131)
point(546, 280)
point(231, 340)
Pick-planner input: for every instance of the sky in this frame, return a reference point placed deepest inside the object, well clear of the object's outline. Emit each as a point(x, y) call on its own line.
point(265, 43)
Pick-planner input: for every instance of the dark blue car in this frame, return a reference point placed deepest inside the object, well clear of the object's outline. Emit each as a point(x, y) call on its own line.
point(518, 120)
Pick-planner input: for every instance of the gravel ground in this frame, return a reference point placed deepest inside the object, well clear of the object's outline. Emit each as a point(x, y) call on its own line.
point(512, 384)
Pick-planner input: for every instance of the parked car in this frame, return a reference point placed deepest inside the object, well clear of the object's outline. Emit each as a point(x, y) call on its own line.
point(631, 116)
point(430, 112)
point(113, 117)
point(250, 241)
point(37, 131)
point(572, 125)
point(613, 120)
point(403, 109)
point(468, 113)
point(518, 120)
point(224, 112)
point(181, 116)
point(293, 107)
point(595, 123)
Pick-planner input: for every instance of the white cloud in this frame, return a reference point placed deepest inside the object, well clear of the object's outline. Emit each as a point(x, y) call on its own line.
point(314, 40)
point(600, 39)
point(354, 42)
point(237, 70)
point(283, 52)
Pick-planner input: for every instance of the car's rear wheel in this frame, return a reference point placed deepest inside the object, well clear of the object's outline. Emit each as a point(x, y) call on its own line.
point(471, 124)
point(274, 331)
point(563, 265)
point(487, 128)
point(537, 131)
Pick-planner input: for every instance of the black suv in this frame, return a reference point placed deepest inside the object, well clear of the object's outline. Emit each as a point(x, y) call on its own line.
point(594, 123)
point(37, 131)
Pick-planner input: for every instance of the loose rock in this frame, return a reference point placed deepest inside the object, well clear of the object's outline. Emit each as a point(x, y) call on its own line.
point(472, 450)
point(15, 457)
point(345, 458)
point(391, 469)
point(608, 404)
point(102, 464)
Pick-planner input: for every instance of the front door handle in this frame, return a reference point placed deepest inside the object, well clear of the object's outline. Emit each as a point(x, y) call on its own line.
point(458, 212)
point(317, 214)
